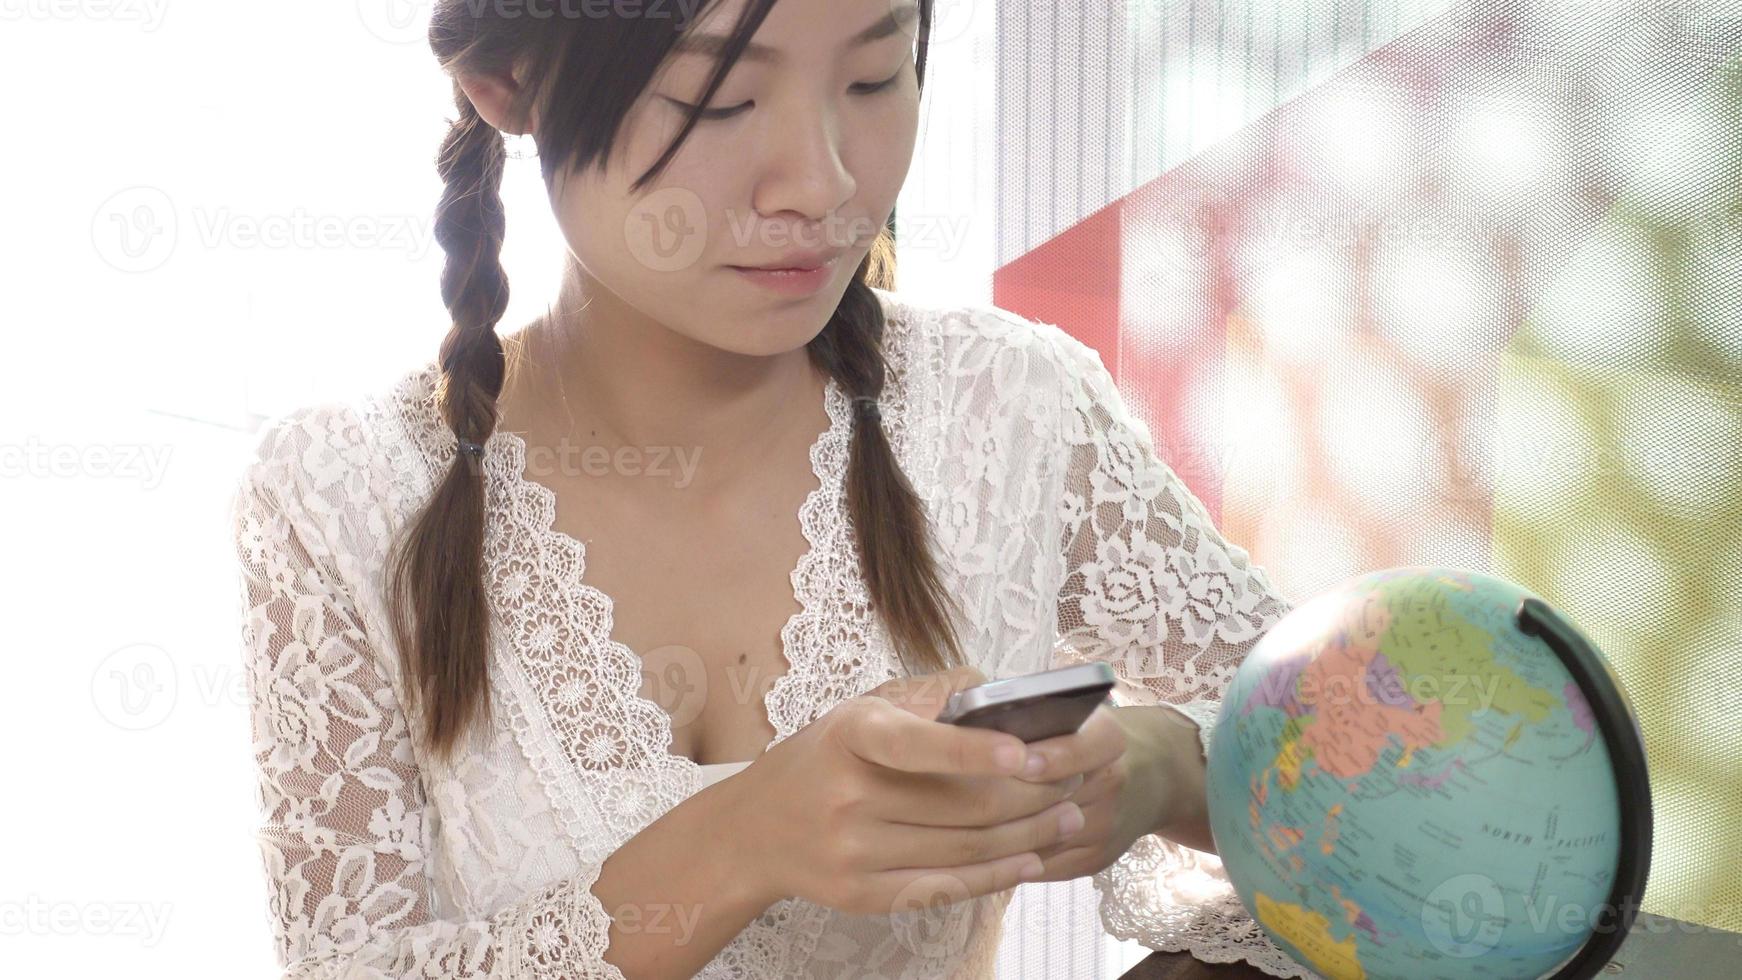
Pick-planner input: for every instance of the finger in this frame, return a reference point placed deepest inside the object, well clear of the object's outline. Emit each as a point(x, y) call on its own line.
point(936, 800)
point(1100, 741)
point(950, 847)
point(917, 888)
point(1081, 849)
point(1095, 787)
point(1068, 860)
point(1099, 815)
point(885, 735)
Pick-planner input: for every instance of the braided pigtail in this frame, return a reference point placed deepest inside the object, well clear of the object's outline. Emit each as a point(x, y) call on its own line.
point(889, 520)
point(444, 652)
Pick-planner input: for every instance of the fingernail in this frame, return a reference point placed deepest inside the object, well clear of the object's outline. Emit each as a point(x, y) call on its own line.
point(1073, 784)
point(1008, 757)
point(1071, 820)
point(1032, 869)
point(1036, 762)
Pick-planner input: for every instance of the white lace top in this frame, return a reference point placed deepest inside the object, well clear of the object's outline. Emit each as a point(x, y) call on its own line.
point(1062, 533)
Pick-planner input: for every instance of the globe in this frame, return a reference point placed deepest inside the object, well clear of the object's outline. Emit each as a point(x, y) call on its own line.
point(1430, 772)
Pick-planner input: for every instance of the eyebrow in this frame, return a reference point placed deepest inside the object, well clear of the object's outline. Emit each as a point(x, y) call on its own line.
point(715, 44)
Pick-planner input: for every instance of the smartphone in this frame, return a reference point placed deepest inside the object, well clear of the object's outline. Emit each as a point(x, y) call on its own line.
point(1034, 706)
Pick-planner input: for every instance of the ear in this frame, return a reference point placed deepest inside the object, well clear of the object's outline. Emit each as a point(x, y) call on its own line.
point(494, 97)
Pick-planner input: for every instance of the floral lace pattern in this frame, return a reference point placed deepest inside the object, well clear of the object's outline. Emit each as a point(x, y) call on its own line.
point(345, 843)
point(1057, 528)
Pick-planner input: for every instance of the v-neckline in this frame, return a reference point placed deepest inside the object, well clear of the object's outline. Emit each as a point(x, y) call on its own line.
point(828, 448)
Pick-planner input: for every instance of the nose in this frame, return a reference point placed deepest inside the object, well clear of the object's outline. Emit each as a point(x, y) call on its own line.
point(804, 173)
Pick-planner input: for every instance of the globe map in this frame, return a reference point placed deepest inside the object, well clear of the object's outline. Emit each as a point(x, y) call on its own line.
point(1404, 783)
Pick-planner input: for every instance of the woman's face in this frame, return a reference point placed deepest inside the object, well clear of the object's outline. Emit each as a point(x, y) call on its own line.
point(808, 156)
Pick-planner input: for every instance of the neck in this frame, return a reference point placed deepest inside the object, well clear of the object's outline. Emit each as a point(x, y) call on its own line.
point(596, 372)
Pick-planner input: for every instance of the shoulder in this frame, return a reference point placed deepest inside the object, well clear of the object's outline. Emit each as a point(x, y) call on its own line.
point(327, 458)
point(304, 449)
point(980, 346)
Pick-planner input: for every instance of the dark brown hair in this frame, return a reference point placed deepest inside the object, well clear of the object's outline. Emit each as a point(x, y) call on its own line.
point(584, 74)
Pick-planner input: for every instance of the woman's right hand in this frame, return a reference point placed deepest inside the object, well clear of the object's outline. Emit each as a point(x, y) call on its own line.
point(875, 808)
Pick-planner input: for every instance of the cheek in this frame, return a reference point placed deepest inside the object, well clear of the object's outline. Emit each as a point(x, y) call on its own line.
point(591, 220)
point(657, 238)
point(887, 147)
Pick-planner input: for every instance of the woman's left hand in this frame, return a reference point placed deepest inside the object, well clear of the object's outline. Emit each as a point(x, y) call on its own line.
point(1121, 797)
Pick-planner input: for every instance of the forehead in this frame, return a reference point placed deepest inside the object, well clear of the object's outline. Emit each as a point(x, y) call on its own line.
point(851, 24)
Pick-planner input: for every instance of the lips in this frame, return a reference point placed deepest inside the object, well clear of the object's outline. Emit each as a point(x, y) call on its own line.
point(794, 262)
point(790, 282)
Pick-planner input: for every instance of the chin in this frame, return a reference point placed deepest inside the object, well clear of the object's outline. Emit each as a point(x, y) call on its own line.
point(772, 327)
point(762, 338)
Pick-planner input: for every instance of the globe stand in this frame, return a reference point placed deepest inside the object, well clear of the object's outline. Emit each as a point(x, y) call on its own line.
point(1614, 715)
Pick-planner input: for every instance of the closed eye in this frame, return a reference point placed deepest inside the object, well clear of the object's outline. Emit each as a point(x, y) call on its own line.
point(867, 88)
point(861, 88)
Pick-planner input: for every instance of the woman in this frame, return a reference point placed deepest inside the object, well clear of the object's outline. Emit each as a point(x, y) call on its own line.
point(703, 742)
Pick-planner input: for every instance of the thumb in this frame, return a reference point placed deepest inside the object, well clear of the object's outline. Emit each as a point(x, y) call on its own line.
point(926, 694)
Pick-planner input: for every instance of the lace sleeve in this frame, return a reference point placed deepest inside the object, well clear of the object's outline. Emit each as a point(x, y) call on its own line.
point(1153, 589)
point(344, 837)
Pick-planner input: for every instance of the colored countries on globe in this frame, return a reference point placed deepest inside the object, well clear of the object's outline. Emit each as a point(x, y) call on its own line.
point(1403, 783)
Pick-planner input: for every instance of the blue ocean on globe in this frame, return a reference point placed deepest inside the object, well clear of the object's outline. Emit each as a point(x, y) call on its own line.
point(1403, 783)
